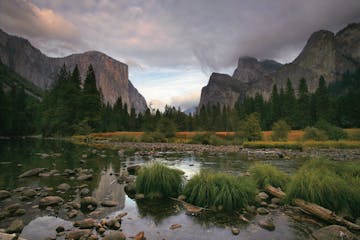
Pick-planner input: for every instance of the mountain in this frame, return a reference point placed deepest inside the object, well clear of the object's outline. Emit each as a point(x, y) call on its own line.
point(111, 75)
point(325, 54)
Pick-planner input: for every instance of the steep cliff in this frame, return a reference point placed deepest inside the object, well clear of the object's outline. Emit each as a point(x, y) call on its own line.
point(325, 54)
point(111, 75)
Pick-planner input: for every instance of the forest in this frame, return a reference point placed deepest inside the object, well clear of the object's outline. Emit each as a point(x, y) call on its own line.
point(73, 106)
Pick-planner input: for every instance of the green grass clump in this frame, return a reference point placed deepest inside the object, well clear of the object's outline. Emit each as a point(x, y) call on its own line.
point(330, 184)
point(220, 190)
point(265, 174)
point(207, 139)
point(159, 181)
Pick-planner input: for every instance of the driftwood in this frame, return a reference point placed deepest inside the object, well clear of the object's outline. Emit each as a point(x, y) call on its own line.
point(314, 209)
point(324, 214)
point(192, 209)
point(276, 192)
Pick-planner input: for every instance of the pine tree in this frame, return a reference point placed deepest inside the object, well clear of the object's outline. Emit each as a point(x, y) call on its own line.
point(302, 109)
point(289, 103)
point(322, 105)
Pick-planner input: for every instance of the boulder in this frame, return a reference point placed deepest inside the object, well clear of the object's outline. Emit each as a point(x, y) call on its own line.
point(4, 194)
point(333, 232)
point(50, 201)
point(32, 172)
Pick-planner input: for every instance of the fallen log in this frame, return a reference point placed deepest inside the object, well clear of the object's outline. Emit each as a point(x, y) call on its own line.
point(314, 209)
point(276, 192)
point(324, 214)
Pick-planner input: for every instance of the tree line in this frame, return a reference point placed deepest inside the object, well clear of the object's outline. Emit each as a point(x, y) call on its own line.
point(73, 107)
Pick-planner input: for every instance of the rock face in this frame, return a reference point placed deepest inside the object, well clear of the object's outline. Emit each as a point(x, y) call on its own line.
point(325, 54)
point(111, 75)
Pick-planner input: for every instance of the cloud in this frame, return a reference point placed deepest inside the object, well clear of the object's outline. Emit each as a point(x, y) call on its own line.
point(186, 101)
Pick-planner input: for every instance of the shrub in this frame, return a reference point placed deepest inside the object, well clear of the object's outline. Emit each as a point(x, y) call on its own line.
point(207, 139)
point(159, 181)
point(153, 137)
point(265, 174)
point(167, 128)
point(219, 190)
point(312, 133)
point(280, 131)
point(333, 132)
point(250, 129)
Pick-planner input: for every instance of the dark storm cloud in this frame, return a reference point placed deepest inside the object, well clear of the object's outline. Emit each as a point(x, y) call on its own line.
point(175, 33)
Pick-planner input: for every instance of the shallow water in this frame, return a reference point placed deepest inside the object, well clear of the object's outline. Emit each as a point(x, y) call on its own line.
point(154, 218)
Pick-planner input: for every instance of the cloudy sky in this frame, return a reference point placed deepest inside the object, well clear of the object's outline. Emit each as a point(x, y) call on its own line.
point(172, 46)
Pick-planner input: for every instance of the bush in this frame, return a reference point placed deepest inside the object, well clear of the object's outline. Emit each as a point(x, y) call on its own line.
point(207, 139)
point(333, 132)
point(153, 137)
point(250, 129)
point(327, 183)
point(219, 190)
point(280, 131)
point(265, 174)
point(159, 181)
point(311, 133)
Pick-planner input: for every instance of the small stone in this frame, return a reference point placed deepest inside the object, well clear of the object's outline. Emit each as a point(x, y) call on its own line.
point(139, 196)
point(109, 203)
point(276, 200)
point(60, 229)
point(28, 194)
point(235, 231)
point(16, 226)
point(84, 177)
point(73, 213)
point(181, 197)
point(32, 172)
point(84, 156)
point(88, 203)
point(121, 215)
point(263, 195)
point(263, 204)
point(267, 224)
point(140, 236)
point(87, 223)
point(273, 206)
point(4, 194)
point(77, 234)
point(101, 230)
point(250, 209)
point(175, 226)
point(63, 187)
point(5, 236)
point(13, 208)
point(262, 211)
point(113, 224)
point(19, 212)
point(84, 192)
point(115, 236)
point(50, 201)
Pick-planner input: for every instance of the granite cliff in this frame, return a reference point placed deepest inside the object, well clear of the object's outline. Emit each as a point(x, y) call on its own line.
point(111, 75)
point(325, 54)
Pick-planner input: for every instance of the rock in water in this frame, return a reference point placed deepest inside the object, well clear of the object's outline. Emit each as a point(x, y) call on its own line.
point(16, 226)
point(115, 236)
point(32, 172)
point(235, 231)
point(64, 187)
point(87, 223)
point(88, 204)
point(50, 201)
point(78, 234)
point(267, 224)
point(109, 203)
point(333, 232)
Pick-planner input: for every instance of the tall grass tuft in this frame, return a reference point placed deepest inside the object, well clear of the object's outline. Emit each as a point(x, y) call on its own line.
point(265, 174)
point(159, 181)
point(220, 190)
point(330, 184)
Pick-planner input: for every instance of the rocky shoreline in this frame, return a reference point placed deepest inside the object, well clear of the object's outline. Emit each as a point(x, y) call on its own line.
point(143, 148)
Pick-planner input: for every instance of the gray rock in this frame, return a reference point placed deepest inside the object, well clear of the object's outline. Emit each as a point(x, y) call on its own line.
point(4, 194)
point(50, 201)
point(267, 224)
point(32, 172)
point(16, 226)
point(333, 232)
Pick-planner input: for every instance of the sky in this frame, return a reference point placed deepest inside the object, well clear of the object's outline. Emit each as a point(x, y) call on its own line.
point(172, 46)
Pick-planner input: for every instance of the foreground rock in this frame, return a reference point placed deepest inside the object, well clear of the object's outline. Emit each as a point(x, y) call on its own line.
point(16, 226)
point(87, 223)
point(64, 187)
point(4, 194)
point(78, 234)
point(333, 232)
point(32, 172)
point(50, 201)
